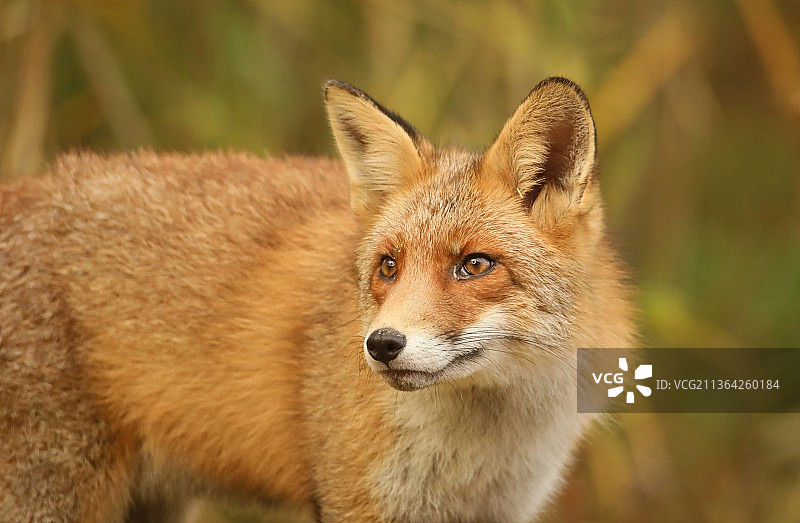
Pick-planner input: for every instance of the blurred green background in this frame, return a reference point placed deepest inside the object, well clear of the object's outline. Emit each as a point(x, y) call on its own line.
point(697, 106)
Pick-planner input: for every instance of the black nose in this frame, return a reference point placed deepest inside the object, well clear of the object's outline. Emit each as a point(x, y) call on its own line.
point(385, 344)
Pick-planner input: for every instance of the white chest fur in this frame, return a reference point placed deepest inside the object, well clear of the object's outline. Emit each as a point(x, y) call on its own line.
point(477, 454)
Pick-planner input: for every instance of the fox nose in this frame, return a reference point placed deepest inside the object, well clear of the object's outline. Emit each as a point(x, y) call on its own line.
point(385, 344)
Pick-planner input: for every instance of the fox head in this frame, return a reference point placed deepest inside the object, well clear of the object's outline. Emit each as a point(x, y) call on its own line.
point(470, 263)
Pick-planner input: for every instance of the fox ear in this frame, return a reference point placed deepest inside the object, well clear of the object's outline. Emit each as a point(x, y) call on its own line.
point(546, 150)
point(381, 151)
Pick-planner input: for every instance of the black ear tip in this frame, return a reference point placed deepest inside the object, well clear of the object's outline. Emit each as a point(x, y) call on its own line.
point(344, 86)
point(564, 82)
point(329, 85)
point(332, 83)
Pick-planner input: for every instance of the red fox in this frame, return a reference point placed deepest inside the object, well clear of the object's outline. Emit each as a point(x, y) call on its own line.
point(388, 338)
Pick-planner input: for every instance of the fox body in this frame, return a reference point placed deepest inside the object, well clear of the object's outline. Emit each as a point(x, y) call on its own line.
point(387, 338)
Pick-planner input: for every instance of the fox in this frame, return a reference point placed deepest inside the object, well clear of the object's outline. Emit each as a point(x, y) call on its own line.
point(389, 336)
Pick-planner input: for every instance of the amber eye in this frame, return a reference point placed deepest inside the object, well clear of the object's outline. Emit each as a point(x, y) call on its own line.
point(474, 265)
point(388, 268)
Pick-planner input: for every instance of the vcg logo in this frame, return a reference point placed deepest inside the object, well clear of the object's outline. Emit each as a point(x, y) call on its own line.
point(617, 378)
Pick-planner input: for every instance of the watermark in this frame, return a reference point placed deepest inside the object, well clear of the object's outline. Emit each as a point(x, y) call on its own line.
point(688, 380)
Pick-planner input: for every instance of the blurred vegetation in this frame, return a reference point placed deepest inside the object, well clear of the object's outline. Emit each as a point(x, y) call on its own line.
point(698, 113)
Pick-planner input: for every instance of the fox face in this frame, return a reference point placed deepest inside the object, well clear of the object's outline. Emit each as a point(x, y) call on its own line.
point(469, 262)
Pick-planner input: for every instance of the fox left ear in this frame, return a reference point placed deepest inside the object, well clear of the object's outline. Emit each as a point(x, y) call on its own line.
point(381, 151)
point(546, 151)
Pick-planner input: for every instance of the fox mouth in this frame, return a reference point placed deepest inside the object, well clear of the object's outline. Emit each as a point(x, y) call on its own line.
point(410, 380)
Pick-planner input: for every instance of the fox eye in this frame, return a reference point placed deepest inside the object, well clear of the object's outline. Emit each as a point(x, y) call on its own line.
point(388, 268)
point(474, 265)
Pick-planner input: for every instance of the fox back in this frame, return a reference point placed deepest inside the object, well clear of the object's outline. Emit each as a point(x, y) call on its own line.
point(391, 337)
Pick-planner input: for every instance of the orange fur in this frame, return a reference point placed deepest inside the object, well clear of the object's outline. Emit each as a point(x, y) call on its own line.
point(198, 321)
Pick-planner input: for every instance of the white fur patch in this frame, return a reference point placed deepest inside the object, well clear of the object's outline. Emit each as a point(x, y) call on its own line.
point(478, 455)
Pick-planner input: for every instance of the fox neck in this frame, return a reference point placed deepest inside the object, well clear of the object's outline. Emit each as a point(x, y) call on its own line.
point(538, 396)
point(480, 453)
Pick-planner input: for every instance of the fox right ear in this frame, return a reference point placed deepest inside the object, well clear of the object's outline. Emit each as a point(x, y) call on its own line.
point(546, 151)
point(381, 151)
